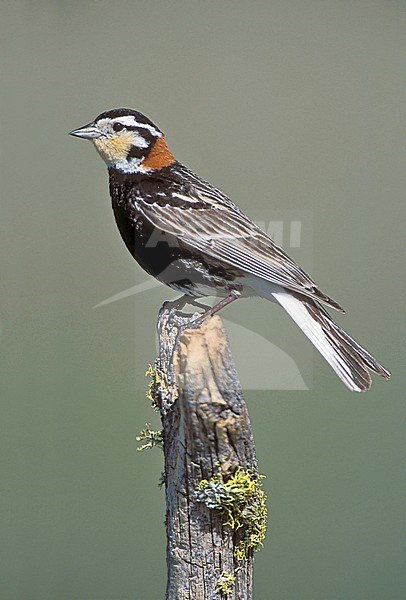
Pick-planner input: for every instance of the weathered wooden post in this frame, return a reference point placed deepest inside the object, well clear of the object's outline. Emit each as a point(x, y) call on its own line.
point(215, 507)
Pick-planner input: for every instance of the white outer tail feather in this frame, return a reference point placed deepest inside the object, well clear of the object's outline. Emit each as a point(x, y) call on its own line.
point(314, 331)
point(350, 361)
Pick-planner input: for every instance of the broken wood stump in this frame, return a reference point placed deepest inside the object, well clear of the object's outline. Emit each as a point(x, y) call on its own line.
point(215, 507)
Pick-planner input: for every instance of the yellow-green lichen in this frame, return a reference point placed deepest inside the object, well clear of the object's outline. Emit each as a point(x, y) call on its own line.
point(241, 502)
point(162, 391)
point(225, 583)
point(151, 438)
point(153, 386)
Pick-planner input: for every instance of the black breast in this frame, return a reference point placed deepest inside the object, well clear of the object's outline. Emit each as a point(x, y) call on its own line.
point(160, 254)
point(153, 250)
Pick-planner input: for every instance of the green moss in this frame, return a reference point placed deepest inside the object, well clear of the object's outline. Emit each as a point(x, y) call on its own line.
point(242, 504)
point(225, 583)
point(151, 438)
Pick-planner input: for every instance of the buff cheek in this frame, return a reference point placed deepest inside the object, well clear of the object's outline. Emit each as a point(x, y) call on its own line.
point(114, 149)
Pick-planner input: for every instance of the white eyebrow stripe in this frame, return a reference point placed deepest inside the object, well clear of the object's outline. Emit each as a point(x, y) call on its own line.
point(132, 122)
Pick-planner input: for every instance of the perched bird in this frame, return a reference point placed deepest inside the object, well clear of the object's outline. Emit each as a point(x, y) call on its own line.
point(192, 237)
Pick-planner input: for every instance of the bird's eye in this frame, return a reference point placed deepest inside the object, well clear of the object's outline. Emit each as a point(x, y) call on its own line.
point(118, 126)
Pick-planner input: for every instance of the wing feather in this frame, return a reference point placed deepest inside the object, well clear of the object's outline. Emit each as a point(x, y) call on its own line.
point(221, 231)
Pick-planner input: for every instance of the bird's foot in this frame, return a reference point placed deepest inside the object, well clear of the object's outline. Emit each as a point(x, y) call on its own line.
point(195, 323)
point(191, 321)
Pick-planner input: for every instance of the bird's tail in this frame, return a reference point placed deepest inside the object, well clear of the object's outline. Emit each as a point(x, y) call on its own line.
point(348, 359)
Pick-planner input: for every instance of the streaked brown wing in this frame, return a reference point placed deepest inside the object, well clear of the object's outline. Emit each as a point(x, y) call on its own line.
point(231, 237)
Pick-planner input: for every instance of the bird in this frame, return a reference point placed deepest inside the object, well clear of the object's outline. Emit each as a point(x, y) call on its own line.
point(191, 236)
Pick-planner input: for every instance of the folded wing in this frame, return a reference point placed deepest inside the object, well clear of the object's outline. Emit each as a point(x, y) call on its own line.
point(223, 232)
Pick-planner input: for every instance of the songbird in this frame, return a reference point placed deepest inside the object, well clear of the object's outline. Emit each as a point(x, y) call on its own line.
point(189, 235)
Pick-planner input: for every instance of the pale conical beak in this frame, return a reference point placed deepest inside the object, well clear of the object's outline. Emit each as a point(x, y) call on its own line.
point(89, 132)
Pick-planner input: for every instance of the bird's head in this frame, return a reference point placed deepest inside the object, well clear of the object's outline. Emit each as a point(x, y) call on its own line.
point(127, 140)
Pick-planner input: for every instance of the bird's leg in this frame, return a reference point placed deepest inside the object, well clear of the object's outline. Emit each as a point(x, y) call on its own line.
point(194, 323)
point(178, 303)
point(233, 295)
point(194, 302)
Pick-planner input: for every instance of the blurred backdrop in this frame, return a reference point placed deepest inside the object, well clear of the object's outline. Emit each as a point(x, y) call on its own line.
point(293, 109)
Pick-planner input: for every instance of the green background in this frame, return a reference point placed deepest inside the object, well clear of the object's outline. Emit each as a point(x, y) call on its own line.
point(287, 106)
